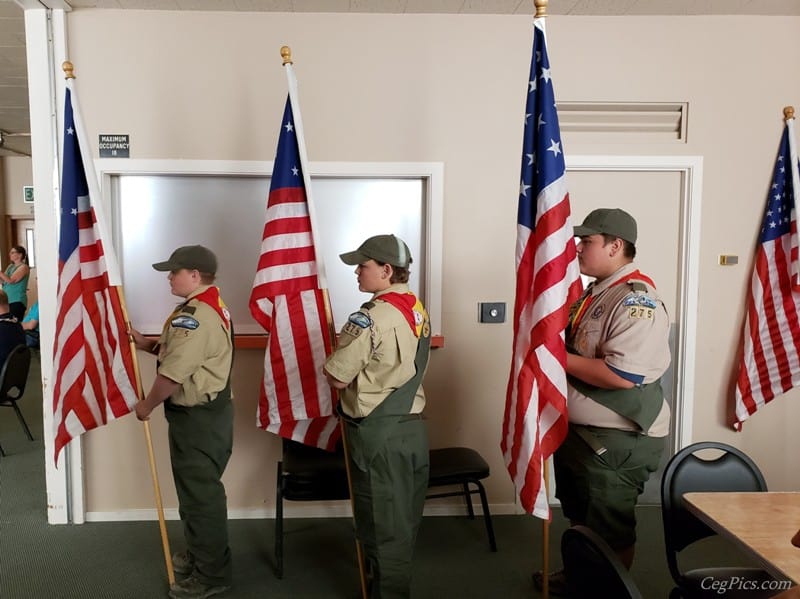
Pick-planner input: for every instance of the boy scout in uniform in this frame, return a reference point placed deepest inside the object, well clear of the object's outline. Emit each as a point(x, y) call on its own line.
point(618, 349)
point(378, 365)
point(195, 357)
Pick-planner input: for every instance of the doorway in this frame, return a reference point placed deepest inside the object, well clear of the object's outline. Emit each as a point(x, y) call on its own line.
point(663, 195)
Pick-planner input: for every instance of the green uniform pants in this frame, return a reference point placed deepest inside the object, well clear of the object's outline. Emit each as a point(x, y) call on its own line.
point(601, 491)
point(388, 500)
point(200, 443)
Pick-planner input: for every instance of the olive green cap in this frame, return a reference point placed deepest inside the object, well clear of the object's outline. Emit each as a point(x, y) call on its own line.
point(192, 257)
point(610, 221)
point(387, 249)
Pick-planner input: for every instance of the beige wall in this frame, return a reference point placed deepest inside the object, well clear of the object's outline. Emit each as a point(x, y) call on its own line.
point(17, 172)
point(450, 89)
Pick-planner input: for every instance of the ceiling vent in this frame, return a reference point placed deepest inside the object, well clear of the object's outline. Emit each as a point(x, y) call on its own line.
point(630, 122)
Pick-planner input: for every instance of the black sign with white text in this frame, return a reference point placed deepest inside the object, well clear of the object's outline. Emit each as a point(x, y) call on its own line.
point(114, 146)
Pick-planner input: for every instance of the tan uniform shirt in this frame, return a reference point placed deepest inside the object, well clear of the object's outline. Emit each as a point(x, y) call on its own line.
point(378, 358)
point(629, 330)
point(196, 350)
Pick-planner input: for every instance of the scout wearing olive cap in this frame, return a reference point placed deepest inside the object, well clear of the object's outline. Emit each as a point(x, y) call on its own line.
point(192, 257)
point(387, 249)
point(609, 221)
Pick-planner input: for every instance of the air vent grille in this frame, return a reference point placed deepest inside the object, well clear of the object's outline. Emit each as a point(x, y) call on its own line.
point(624, 121)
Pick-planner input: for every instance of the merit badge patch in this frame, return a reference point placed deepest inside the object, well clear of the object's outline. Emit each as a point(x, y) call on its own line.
point(184, 322)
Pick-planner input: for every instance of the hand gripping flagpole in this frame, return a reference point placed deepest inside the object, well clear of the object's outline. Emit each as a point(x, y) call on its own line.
point(94, 192)
point(541, 13)
point(286, 54)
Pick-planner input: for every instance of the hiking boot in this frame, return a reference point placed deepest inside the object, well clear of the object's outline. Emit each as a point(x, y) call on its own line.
point(183, 562)
point(192, 588)
point(556, 582)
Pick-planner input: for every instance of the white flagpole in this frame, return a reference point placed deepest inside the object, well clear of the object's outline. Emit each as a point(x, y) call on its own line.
point(788, 114)
point(286, 54)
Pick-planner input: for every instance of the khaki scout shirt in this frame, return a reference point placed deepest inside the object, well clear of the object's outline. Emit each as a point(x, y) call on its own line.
point(197, 358)
point(632, 338)
point(377, 358)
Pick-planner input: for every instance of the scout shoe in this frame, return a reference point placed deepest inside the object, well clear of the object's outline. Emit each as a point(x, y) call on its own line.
point(192, 588)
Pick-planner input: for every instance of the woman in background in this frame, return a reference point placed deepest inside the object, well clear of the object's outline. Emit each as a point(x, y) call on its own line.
point(15, 281)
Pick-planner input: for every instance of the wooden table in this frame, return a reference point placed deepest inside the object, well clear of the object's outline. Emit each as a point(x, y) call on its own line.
point(762, 523)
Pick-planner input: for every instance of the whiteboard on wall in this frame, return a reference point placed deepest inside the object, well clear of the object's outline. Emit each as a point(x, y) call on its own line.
point(152, 214)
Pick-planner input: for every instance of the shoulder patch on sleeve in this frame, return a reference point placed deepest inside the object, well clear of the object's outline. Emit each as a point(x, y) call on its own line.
point(352, 329)
point(639, 299)
point(637, 286)
point(360, 319)
point(188, 310)
point(184, 322)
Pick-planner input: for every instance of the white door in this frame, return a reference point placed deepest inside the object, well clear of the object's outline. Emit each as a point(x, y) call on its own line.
point(655, 200)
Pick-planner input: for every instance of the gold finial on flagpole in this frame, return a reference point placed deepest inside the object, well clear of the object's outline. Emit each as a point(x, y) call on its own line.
point(541, 8)
point(788, 113)
point(68, 68)
point(286, 54)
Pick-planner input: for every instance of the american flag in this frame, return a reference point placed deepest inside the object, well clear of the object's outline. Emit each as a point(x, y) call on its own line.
point(95, 379)
point(288, 300)
point(770, 358)
point(548, 281)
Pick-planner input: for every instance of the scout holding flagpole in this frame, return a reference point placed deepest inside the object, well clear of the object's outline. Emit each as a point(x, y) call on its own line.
point(547, 283)
point(89, 352)
point(290, 301)
point(286, 55)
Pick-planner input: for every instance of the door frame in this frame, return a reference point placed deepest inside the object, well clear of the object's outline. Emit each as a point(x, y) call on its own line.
point(691, 170)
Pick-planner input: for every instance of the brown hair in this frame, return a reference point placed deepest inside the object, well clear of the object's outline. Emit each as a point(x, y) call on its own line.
point(21, 250)
point(399, 273)
point(628, 249)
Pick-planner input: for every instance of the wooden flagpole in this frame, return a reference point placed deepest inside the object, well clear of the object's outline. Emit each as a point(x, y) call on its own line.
point(149, 442)
point(359, 552)
point(541, 13)
point(68, 69)
point(286, 55)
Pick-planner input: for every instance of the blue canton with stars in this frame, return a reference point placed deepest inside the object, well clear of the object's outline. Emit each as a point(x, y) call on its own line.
point(287, 171)
point(542, 155)
point(780, 202)
point(73, 184)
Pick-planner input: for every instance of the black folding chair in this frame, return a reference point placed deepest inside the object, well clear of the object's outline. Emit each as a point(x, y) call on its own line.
point(686, 472)
point(310, 474)
point(592, 568)
point(13, 377)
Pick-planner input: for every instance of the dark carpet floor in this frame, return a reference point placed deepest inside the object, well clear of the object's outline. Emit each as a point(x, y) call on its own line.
point(124, 560)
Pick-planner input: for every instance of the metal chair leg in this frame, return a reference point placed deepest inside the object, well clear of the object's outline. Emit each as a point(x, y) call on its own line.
point(22, 420)
point(468, 499)
point(487, 517)
point(279, 524)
